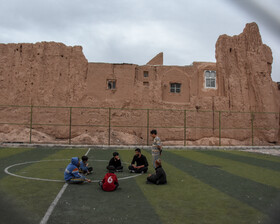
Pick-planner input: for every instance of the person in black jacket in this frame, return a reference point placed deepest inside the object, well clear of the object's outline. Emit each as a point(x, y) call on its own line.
point(141, 163)
point(116, 162)
point(159, 177)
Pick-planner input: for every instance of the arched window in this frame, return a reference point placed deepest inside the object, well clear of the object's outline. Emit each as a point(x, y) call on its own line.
point(210, 79)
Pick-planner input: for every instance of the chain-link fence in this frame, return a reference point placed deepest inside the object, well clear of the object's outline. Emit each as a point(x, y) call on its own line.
point(123, 126)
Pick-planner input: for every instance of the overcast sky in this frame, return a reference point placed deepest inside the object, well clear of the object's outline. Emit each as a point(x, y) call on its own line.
point(134, 31)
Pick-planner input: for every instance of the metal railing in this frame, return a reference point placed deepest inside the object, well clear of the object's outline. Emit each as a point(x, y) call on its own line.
point(174, 125)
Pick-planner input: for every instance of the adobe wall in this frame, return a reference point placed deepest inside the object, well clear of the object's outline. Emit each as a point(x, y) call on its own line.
point(45, 73)
point(245, 63)
point(52, 74)
point(97, 76)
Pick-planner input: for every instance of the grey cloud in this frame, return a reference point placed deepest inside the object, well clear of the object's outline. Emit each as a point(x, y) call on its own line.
point(130, 31)
point(264, 14)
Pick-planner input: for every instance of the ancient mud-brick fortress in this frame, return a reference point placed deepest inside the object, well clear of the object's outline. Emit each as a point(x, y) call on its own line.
point(52, 74)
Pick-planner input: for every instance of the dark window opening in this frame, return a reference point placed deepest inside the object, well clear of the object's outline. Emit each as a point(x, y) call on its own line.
point(146, 74)
point(111, 84)
point(175, 87)
point(146, 83)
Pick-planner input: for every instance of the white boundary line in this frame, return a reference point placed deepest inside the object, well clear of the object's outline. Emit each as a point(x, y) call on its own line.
point(54, 203)
point(59, 195)
point(32, 178)
point(87, 151)
point(51, 180)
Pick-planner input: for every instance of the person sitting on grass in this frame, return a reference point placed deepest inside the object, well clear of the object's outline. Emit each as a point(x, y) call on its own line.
point(116, 162)
point(110, 181)
point(159, 177)
point(71, 173)
point(84, 169)
point(141, 163)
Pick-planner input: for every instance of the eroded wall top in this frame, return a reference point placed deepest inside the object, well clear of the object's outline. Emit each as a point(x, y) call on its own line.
point(245, 63)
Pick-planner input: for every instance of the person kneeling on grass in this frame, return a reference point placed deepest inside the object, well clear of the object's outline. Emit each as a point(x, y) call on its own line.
point(84, 169)
point(116, 162)
point(159, 177)
point(71, 173)
point(141, 163)
point(110, 181)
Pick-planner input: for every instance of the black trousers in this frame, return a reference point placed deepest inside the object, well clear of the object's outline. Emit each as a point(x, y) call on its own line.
point(153, 179)
point(89, 169)
point(118, 168)
point(143, 169)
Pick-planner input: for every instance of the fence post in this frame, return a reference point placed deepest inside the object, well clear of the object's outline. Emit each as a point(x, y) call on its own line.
point(109, 126)
point(252, 127)
point(31, 120)
point(220, 128)
point(148, 117)
point(185, 127)
point(70, 125)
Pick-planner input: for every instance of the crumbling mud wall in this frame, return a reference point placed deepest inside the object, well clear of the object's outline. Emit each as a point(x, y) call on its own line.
point(42, 74)
point(245, 64)
point(79, 100)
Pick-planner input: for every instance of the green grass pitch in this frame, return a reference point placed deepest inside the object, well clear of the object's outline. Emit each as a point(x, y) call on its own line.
point(219, 187)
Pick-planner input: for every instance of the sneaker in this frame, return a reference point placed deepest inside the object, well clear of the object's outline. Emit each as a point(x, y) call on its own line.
point(132, 171)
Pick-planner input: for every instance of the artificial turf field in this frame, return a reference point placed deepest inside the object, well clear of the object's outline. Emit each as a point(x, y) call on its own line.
point(203, 187)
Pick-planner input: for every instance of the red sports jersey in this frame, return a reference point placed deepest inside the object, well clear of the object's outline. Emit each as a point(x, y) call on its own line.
point(109, 182)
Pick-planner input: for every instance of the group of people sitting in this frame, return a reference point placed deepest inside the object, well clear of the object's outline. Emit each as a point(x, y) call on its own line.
point(77, 171)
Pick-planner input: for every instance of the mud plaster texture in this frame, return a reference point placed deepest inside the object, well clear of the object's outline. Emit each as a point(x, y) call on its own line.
point(52, 74)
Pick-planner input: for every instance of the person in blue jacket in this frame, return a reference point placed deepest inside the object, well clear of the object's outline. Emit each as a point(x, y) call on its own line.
point(71, 173)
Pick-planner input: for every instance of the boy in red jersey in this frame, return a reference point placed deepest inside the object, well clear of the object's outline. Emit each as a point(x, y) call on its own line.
point(110, 181)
